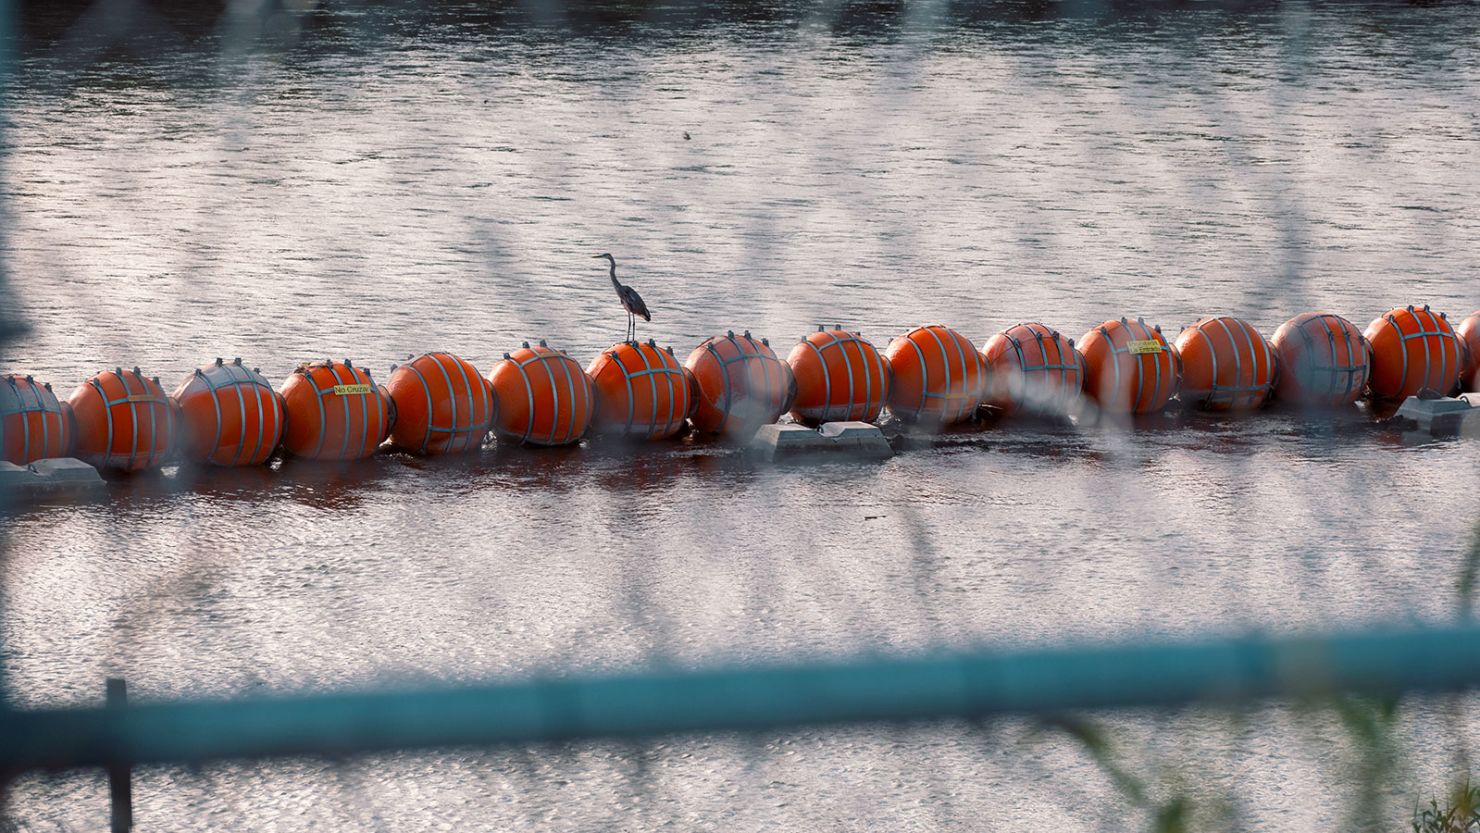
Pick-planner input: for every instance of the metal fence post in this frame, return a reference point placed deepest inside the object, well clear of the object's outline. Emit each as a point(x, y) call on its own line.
point(120, 776)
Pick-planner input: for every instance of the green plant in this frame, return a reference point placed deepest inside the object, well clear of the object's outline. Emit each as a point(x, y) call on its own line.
point(1172, 811)
point(1468, 575)
point(1460, 813)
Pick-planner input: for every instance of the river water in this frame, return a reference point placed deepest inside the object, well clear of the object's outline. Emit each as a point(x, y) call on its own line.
point(374, 182)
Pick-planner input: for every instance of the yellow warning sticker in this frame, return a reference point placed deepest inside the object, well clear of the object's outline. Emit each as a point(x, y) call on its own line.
point(1150, 345)
point(351, 390)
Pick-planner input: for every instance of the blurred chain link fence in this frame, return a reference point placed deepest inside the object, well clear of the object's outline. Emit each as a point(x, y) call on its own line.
point(290, 178)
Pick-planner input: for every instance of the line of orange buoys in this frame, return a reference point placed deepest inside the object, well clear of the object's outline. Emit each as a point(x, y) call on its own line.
point(227, 414)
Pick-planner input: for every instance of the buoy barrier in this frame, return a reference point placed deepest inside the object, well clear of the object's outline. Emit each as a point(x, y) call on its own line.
point(937, 377)
point(1226, 365)
point(1413, 349)
point(640, 391)
point(840, 377)
point(123, 420)
point(443, 405)
point(34, 424)
point(738, 385)
point(334, 411)
point(1469, 336)
point(1322, 360)
point(542, 397)
point(1032, 367)
point(1129, 367)
point(229, 415)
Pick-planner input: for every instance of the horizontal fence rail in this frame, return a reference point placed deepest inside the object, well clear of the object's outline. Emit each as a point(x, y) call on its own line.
point(751, 698)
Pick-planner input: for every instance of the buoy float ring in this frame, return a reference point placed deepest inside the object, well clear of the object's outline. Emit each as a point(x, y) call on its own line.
point(441, 405)
point(1322, 360)
point(1129, 367)
point(543, 397)
point(1469, 335)
point(936, 376)
point(1412, 349)
point(839, 376)
point(641, 391)
point(1032, 367)
point(34, 423)
point(229, 415)
point(334, 411)
point(123, 420)
point(1226, 365)
point(738, 385)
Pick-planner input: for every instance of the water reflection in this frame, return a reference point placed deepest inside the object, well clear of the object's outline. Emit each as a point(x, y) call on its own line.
point(397, 177)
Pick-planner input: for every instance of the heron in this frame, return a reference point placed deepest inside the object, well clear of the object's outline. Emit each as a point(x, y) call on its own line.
point(631, 301)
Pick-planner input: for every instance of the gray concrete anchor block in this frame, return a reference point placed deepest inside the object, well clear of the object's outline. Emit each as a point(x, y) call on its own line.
point(848, 430)
point(13, 476)
point(859, 438)
point(66, 470)
point(851, 439)
point(1415, 408)
point(1443, 417)
point(783, 437)
point(62, 475)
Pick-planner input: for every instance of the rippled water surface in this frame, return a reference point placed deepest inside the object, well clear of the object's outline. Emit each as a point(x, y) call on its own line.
point(390, 180)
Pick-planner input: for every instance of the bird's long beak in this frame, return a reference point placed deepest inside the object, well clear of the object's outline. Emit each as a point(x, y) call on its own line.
point(596, 257)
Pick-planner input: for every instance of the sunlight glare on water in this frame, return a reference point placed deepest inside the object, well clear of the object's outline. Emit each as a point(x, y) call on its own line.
point(394, 179)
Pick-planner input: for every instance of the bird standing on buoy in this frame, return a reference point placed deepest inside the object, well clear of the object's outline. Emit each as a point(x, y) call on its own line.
point(631, 301)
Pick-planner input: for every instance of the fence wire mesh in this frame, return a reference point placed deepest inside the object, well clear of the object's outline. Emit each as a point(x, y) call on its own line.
point(287, 180)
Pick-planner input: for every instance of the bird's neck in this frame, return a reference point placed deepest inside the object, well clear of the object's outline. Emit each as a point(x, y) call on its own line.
point(615, 282)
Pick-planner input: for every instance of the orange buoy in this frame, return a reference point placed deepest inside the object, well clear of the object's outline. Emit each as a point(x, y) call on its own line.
point(1412, 350)
point(442, 405)
point(1322, 360)
point(1129, 367)
point(229, 415)
point(738, 385)
point(34, 424)
point(123, 420)
point(936, 376)
point(1226, 364)
point(1033, 367)
point(641, 391)
point(334, 411)
point(839, 376)
point(1469, 335)
point(542, 397)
